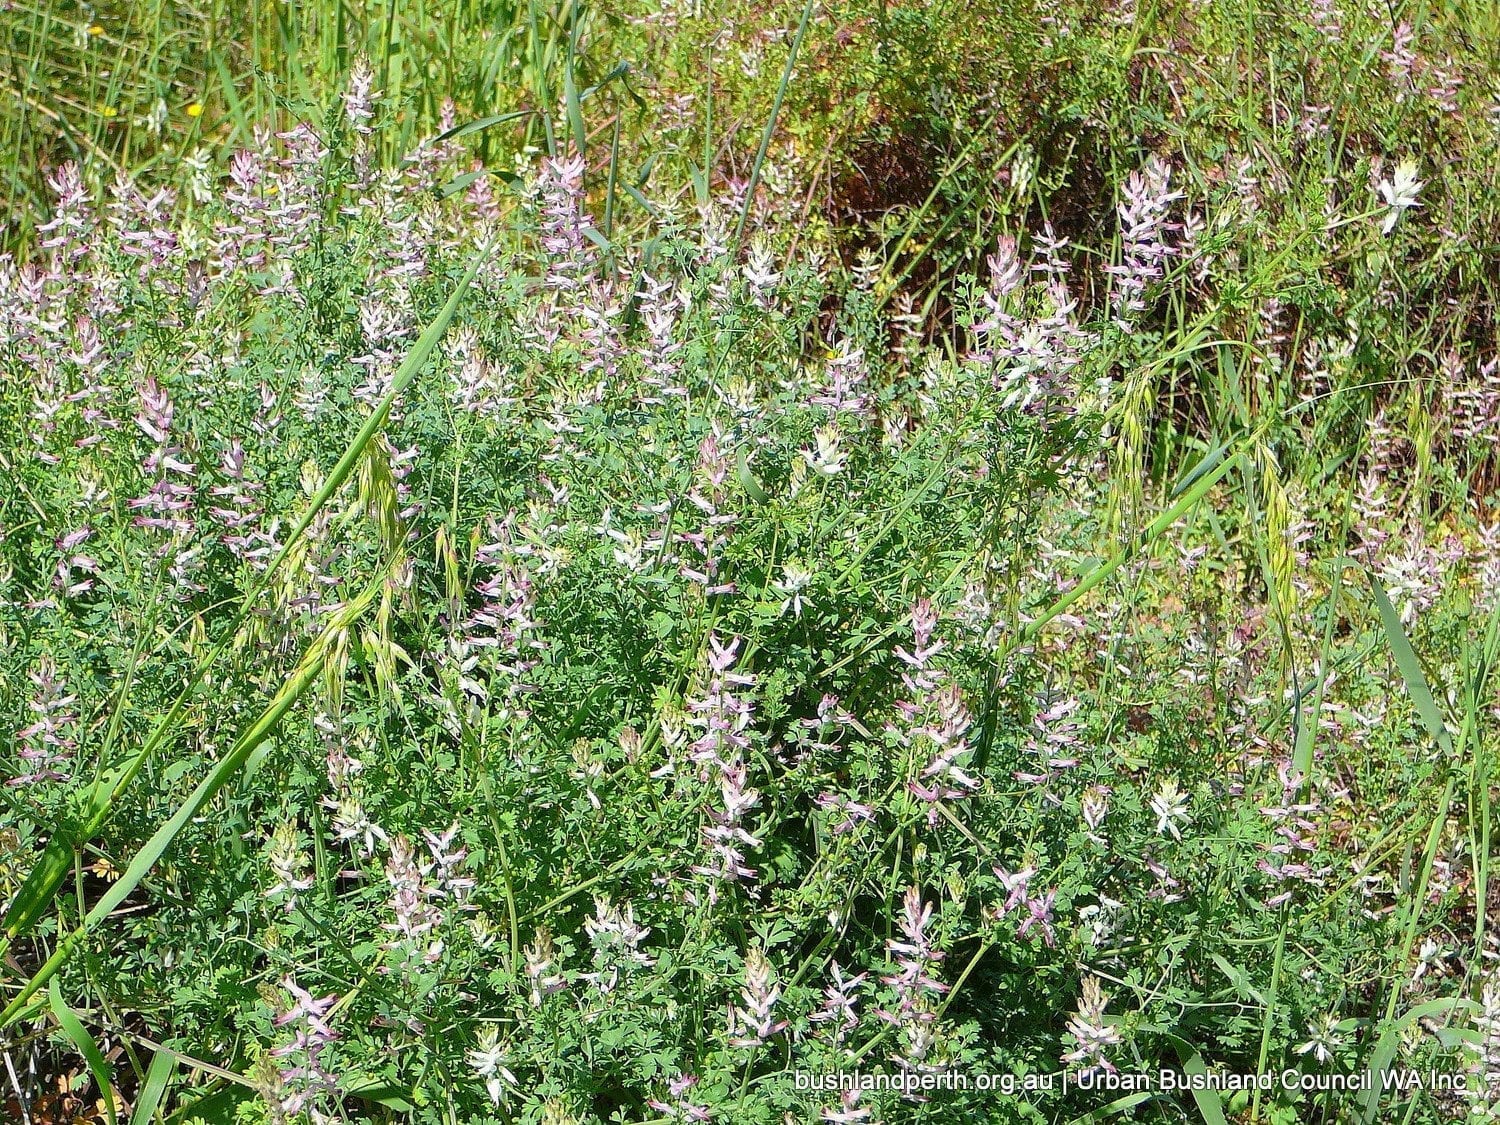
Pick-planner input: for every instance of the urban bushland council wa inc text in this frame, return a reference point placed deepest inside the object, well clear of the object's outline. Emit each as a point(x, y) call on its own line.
point(1121, 1081)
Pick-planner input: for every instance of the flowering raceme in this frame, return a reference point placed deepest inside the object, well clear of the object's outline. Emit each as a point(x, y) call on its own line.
point(171, 493)
point(1145, 204)
point(755, 1018)
point(305, 1079)
point(723, 715)
point(1029, 334)
point(47, 746)
point(933, 720)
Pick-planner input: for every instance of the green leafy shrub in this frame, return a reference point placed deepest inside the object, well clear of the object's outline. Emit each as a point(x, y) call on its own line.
point(473, 660)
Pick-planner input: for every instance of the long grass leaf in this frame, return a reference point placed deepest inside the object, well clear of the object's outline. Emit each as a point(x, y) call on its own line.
point(1149, 534)
point(148, 1101)
point(482, 123)
point(73, 1028)
point(1153, 531)
point(1410, 668)
point(765, 138)
point(1110, 1109)
point(1210, 1105)
point(570, 88)
point(1307, 724)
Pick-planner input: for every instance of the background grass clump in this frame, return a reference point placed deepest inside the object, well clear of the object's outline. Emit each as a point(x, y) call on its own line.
point(570, 563)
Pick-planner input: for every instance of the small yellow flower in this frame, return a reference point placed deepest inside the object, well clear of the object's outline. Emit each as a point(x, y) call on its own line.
point(95, 29)
point(109, 111)
point(105, 870)
point(195, 110)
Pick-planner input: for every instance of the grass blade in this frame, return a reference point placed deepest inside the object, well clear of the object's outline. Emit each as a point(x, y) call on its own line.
point(73, 1028)
point(1210, 1105)
point(1415, 679)
point(158, 1074)
point(1203, 482)
point(482, 123)
point(765, 138)
point(1153, 531)
point(1118, 1106)
point(1306, 725)
point(570, 90)
point(1410, 668)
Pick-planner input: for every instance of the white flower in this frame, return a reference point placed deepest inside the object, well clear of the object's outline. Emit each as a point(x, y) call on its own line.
point(828, 461)
point(1429, 960)
point(794, 579)
point(1170, 806)
point(200, 169)
point(1324, 1039)
point(288, 862)
point(1089, 1029)
point(488, 1061)
point(157, 118)
point(760, 269)
point(350, 823)
point(631, 552)
point(1399, 193)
